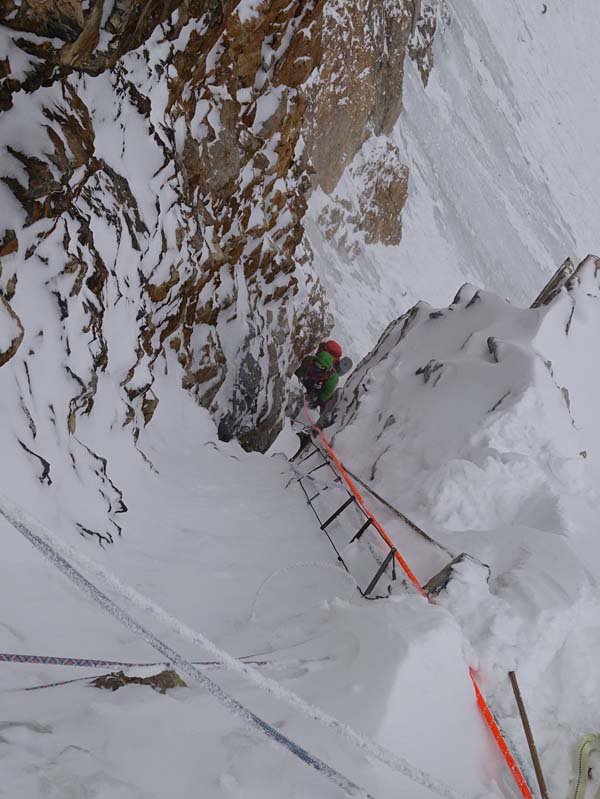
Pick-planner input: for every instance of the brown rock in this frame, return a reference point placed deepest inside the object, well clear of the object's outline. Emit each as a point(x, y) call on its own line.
point(160, 682)
point(383, 179)
point(379, 182)
point(424, 25)
point(61, 19)
point(359, 89)
point(304, 52)
point(149, 405)
point(158, 293)
point(9, 243)
point(230, 235)
point(10, 318)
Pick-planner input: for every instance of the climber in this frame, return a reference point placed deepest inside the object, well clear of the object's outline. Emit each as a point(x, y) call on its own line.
point(318, 376)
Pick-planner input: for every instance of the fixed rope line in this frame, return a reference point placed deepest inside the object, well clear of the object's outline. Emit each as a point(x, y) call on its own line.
point(60, 554)
point(235, 707)
point(483, 706)
point(49, 685)
point(206, 664)
point(52, 660)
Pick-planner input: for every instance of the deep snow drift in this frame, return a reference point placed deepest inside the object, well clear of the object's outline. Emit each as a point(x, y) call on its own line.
point(479, 421)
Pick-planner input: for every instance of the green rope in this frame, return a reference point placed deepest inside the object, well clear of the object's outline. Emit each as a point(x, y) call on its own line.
point(587, 745)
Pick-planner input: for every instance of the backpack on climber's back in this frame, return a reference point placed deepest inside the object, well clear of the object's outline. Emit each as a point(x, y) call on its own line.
point(344, 365)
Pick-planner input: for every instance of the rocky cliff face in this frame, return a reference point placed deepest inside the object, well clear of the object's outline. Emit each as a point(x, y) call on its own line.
point(157, 159)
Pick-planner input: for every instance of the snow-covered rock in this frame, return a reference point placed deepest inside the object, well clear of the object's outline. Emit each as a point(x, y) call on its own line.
point(367, 203)
point(156, 165)
point(11, 332)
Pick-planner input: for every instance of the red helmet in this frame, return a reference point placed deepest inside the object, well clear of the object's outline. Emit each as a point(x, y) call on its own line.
point(333, 348)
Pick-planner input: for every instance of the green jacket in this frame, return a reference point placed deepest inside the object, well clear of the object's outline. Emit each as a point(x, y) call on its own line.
point(324, 391)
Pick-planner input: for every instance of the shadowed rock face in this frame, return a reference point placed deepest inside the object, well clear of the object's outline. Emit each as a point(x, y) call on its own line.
point(370, 204)
point(123, 25)
point(357, 91)
point(61, 19)
point(171, 147)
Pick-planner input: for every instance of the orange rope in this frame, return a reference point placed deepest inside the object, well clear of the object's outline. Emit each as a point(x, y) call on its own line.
point(499, 738)
point(487, 714)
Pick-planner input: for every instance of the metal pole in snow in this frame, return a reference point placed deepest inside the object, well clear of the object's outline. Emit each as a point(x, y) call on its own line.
point(529, 735)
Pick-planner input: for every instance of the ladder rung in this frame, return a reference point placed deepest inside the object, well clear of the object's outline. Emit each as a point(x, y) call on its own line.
point(361, 531)
point(380, 571)
point(341, 509)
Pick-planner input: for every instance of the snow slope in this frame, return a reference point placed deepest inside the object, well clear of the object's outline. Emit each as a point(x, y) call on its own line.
point(504, 162)
point(227, 545)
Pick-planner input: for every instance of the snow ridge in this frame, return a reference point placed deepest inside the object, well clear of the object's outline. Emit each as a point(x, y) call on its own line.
point(480, 420)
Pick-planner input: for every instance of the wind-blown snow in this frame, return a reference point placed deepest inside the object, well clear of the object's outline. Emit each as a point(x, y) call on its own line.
point(504, 163)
